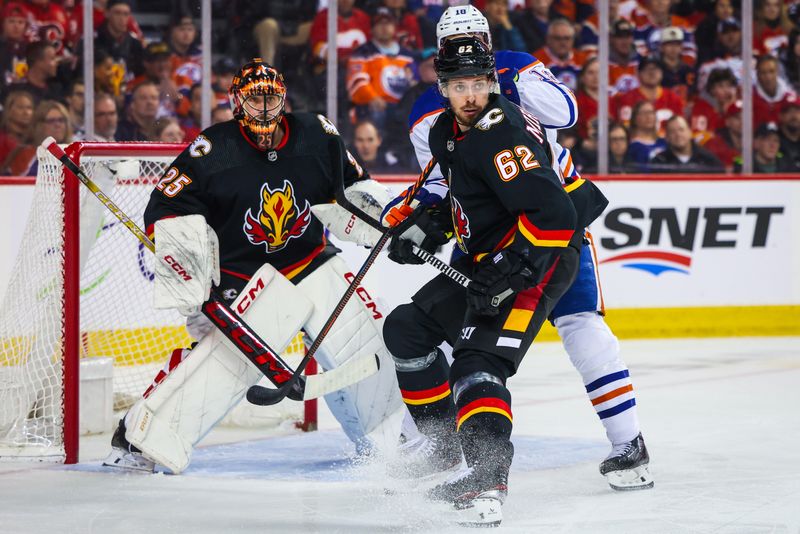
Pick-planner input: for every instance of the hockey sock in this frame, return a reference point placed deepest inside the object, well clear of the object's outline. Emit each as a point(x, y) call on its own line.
point(483, 417)
point(614, 401)
point(426, 392)
point(594, 351)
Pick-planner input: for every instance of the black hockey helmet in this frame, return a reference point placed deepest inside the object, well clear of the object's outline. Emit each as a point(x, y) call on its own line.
point(258, 95)
point(464, 56)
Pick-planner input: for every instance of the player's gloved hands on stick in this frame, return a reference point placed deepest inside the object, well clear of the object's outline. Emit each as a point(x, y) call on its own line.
point(396, 211)
point(428, 232)
point(498, 276)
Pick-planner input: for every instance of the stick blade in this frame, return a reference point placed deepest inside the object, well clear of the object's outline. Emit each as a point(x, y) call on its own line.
point(352, 371)
point(261, 396)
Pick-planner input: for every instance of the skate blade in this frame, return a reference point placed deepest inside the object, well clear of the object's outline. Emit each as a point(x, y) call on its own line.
point(126, 461)
point(638, 478)
point(480, 513)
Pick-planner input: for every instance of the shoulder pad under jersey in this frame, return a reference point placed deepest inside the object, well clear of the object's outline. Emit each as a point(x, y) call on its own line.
point(509, 59)
point(428, 102)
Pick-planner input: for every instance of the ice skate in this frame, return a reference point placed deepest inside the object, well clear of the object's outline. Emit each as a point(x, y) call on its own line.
point(627, 467)
point(424, 457)
point(478, 499)
point(124, 455)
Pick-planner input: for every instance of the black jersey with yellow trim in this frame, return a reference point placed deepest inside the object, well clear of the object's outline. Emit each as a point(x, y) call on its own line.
point(503, 190)
point(258, 202)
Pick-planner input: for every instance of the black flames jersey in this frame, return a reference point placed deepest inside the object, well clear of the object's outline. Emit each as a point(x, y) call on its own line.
point(503, 191)
point(259, 203)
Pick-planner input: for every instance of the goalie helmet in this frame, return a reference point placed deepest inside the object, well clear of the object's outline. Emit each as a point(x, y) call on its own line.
point(463, 57)
point(258, 95)
point(463, 20)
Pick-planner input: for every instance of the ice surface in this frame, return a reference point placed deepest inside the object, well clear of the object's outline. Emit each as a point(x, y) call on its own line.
point(720, 417)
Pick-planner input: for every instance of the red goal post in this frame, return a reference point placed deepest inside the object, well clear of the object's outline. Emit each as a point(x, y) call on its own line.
point(80, 291)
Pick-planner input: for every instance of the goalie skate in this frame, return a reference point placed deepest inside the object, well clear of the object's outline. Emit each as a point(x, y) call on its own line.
point(125, 456)
point(627, 466)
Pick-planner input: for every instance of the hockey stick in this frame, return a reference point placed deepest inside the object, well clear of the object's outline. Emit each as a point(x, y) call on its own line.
point(234, 328)
point(262, 396)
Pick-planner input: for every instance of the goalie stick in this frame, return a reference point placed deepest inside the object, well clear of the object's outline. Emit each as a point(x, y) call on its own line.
point(232, 326)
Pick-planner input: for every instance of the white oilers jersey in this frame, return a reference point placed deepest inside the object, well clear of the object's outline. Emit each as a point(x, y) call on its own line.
point(525, 81)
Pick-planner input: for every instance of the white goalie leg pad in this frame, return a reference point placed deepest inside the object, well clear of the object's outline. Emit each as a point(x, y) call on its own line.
point(214, 377)
point(369, 411)
point(187, 262)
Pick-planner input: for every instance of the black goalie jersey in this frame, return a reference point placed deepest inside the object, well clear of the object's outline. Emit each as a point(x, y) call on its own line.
point(258, 203)
point(502, 189)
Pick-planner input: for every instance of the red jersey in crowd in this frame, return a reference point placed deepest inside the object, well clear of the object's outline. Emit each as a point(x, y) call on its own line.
point(704, 120)
point(721, 146)
point(50, 23)
point(766, 108)
point(408, 33)
point(75, 15)
point(587, 106)
point(352, 32)
point(667, 103)
point(769, 41)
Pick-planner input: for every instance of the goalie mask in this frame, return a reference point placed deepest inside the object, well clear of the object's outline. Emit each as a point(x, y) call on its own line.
point(257, 97)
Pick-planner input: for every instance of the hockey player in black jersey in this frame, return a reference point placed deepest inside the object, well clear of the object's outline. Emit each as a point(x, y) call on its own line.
point(518, 234)
point(236, 201)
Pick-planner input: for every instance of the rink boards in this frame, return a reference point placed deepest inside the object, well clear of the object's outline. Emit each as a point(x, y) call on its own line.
point(677, 256)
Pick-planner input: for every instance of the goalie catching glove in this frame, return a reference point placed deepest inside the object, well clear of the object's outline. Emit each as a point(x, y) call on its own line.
point(187, 263)
point(431, 229)
point(497, 277)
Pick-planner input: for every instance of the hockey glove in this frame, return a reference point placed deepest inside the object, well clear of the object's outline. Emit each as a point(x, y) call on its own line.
point(508, 83)
point(497, 277)
point(429, 232)
point(396, 211)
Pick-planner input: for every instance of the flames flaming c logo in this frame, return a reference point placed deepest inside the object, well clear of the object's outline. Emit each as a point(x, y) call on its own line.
point(278, 219)
point(460, 224)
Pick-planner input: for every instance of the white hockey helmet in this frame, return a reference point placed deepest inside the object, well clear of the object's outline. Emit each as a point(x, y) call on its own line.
point(458, 20)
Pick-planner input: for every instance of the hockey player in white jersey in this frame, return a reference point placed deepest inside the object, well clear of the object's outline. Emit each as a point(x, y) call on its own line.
point(234, 210)
point(578, 317)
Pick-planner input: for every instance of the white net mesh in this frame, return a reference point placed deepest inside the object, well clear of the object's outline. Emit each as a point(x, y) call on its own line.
point(117, 320)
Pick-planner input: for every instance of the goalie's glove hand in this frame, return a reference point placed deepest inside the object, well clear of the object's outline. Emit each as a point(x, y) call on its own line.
point(397, 210)
point(428, 233)
point(187, 263)
point(497, 277)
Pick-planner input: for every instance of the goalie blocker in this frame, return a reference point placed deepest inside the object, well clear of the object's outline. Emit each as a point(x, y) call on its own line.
point(200, 390)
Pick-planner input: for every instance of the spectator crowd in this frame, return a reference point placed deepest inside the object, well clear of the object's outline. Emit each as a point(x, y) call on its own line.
point(675, 73)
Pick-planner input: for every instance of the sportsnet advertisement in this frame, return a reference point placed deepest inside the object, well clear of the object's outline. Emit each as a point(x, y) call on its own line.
point(697, 243)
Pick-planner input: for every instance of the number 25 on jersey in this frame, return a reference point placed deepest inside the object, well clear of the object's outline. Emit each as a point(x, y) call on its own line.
point(172, 182)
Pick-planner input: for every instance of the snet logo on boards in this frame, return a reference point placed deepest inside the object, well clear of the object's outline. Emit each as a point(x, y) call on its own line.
point(655, 241)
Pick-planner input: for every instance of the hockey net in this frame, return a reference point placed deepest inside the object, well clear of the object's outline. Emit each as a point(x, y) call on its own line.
point(67, 304)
